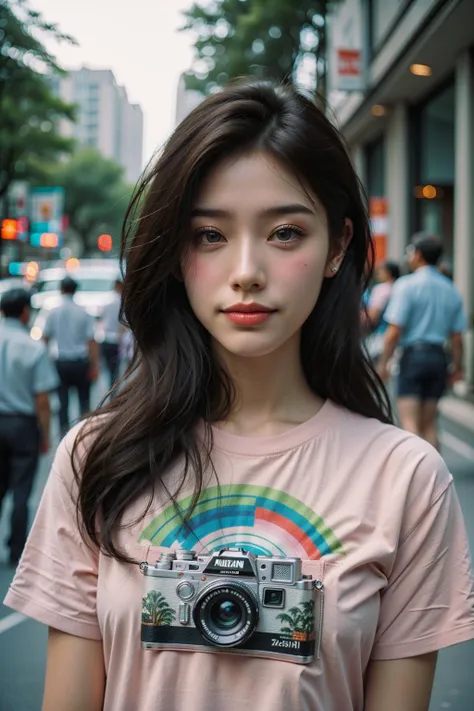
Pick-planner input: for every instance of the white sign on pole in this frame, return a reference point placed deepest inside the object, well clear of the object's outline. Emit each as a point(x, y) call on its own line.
point(18, 199)
point(347, 61)
point(349, 70)
point(46, 211)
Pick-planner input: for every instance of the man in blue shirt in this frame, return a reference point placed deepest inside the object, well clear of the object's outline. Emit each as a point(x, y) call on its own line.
point(26, 378)
point(424, 313)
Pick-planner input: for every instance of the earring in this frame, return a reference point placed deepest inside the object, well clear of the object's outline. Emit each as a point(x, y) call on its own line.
point(334, 268)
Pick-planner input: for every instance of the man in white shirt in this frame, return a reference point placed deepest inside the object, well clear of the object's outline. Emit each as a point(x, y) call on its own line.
point(72, 328)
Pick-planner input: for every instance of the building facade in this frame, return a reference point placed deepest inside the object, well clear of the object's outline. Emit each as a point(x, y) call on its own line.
point(106, 120)
point(402, 90)
point(186, 100)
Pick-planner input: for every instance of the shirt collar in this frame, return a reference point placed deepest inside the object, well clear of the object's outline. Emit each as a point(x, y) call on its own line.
point(15, 324)
point(426, 269)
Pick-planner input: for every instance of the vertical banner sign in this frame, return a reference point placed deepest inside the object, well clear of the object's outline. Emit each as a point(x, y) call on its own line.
point(47, 206)
point(378, 213)
point(17, 201)
point(349, 69)
point(346, 46)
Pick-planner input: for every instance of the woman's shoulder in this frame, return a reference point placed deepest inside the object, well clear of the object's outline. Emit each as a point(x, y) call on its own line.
point(75, 445)
point(400, 457)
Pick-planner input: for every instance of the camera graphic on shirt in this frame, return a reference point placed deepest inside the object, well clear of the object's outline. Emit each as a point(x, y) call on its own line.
point(232, 601)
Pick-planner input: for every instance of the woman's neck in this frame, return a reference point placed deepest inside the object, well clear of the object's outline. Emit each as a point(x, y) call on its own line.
point(272, 394)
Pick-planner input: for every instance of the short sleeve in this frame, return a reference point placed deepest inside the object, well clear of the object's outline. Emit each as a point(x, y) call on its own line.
point(459, 323)
point(45, 377)
point(398, 308)
point(56, 580)
point(429, 600)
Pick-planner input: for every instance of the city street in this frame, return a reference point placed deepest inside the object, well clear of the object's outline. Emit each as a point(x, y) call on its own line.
point(23, 642)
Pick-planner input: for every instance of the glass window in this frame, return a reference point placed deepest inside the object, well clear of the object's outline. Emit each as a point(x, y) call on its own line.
point(434, 186)
point(382, 16)
point(375, 165)
point(437, 139)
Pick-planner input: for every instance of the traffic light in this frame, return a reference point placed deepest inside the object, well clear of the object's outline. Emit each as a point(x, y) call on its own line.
point(9, 229)
point(104, 243)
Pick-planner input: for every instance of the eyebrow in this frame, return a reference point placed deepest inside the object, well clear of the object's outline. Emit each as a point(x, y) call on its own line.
point(276, 211)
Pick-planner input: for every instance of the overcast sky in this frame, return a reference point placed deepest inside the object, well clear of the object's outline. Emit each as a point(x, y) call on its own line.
point(138, 40)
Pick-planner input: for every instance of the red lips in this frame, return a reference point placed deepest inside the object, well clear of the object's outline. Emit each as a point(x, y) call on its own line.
point(248, 314)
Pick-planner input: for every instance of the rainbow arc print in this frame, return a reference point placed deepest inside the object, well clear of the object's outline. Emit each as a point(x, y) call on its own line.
point(259, 519)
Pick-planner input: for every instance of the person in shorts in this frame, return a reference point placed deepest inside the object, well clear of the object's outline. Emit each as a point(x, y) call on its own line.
point(425, 313)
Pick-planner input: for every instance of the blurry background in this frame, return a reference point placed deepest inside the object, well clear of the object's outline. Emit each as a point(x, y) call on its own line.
point(90, 90)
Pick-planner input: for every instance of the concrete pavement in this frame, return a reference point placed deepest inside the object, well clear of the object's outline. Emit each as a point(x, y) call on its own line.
point(23, 642)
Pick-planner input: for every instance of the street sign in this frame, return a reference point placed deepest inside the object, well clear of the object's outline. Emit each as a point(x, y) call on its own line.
point(347, 47)
point(47, 205)
point(349, 69)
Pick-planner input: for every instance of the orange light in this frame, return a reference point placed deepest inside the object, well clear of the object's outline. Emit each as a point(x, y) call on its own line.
point(31, 271)
point(421, 70)
point(429, 192)
point(49, 240)
point(9, 229)
point(104, 243)
point(72, 263)
point(379, 110)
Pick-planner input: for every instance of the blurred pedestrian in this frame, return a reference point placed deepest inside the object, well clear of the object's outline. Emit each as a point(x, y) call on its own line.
point(27, 376)
point(373, 316)
point(425, 311)
point(72, 328)
point(113, 333)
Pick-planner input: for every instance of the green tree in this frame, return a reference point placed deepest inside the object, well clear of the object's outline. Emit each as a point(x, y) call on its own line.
point(29, 111)
point(96, 196)
point(155, 610)
point(262, 38)
point(298, 620)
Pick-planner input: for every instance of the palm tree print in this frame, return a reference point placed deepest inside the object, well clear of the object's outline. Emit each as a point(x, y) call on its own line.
point(298, 621)
point(156, 611)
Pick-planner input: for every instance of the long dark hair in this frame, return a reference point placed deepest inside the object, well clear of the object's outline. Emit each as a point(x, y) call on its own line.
point(174, 381)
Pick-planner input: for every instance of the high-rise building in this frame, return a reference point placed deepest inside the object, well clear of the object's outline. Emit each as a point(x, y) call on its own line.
point(186, 100)
point(105, 119)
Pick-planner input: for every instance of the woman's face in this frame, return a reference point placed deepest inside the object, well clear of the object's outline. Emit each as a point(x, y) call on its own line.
point(259, 253)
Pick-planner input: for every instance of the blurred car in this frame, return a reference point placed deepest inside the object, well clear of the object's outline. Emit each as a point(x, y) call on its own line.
point(95, 287)
point(13, 283)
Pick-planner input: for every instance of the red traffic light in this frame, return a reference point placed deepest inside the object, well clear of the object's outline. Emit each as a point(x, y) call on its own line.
point(9, 229)
point(104, 243)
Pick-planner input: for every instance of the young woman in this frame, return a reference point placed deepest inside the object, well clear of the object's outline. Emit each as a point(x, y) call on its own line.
point(252, 421)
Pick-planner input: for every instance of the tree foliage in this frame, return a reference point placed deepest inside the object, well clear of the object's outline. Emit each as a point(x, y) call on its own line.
point(29, 111)
point(269, 39)
point(96, 196)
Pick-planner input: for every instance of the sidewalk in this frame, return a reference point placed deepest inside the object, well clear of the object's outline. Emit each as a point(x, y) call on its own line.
point(459, 410)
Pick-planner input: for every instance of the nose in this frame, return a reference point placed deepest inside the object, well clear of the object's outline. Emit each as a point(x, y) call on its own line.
point(248, 272)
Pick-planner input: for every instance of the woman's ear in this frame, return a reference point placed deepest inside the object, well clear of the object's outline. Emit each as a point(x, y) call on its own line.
point(338, 252)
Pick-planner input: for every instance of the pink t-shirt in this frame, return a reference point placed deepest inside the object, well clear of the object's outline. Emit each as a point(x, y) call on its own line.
point(371, 506)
